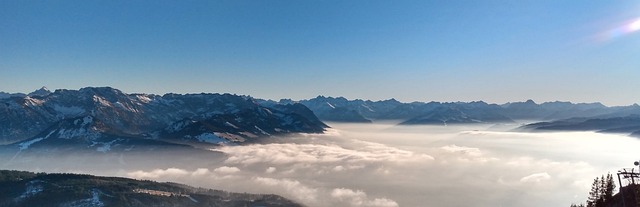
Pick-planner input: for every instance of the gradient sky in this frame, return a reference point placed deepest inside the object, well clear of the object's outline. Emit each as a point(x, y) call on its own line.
point(448, 50)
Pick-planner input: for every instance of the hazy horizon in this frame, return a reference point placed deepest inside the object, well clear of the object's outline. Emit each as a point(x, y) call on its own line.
point(348, 98)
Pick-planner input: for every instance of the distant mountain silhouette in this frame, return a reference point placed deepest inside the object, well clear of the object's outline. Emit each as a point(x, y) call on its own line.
point(628, 124)
point(343, 110)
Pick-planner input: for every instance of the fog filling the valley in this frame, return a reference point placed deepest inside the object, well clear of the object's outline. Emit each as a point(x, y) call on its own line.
point(388, 165)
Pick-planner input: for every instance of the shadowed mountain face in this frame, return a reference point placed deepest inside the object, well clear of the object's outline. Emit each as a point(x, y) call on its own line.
point(628, 124)
point(29, 189)
point(87, 133)
point(115, 116)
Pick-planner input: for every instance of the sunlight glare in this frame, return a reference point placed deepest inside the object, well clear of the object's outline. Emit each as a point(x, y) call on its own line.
point(634, 26)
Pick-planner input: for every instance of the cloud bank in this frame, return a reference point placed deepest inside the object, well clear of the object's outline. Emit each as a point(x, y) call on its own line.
point(385, 165)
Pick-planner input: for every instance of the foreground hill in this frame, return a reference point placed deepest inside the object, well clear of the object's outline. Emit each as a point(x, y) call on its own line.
point(117, 117)
point(29, 189)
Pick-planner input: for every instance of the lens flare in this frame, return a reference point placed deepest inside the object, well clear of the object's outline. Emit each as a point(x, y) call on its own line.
point(620, 31)
point(634, 26)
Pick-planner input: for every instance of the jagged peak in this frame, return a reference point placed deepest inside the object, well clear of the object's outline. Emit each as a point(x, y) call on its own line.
point(44, 88)
point(479, 102)
point(44, 91)
point(391, 100)
point(330, 98)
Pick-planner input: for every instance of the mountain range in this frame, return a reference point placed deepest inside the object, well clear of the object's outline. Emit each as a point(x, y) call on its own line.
point(627, 125)
point(441, 113)
point(104, 119)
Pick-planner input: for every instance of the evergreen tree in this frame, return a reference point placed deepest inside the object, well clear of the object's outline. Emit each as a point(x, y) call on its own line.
point(601, 192)
point(594, 194)
point(609, 188)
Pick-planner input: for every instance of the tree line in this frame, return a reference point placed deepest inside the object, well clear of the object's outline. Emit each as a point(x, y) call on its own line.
point(602, 191)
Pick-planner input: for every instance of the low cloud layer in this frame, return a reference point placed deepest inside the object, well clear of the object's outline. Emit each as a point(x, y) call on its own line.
point(293, 189)
point(378, 165)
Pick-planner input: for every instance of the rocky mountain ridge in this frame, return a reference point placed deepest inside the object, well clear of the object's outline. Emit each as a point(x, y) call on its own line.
point(44, 115)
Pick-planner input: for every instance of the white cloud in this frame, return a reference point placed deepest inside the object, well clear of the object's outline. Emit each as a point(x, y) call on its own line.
point(535, 178)
point(293, 188)
point(317, 153)
point(465, 154)
point(226, 170)
point(270, 170)
point(157, 173)
point(201, 172)
point(469, 151)
point(359, 198)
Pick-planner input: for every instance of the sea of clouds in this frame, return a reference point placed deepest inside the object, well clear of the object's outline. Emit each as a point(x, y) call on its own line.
point(385, 165)
point(388, 165)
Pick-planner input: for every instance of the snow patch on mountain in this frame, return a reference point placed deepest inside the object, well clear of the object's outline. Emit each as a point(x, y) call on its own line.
point(368, 108)
point(331, 105)
point(94, 201)
point(126, 108)
point(231, 125)
point(106, 146)
point(101, 100)
point(143, 98)
point(25, 145)
point(32, 101)
point(249, 134)
point(33, 188)
point(262, 131)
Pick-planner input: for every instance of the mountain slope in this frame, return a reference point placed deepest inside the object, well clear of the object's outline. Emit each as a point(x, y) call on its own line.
point(25, 117)
point(243, 126)
point(87, 133)
point(628, 124)
point(29, 189)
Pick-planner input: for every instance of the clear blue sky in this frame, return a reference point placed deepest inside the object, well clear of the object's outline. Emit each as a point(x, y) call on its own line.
point(447, 50)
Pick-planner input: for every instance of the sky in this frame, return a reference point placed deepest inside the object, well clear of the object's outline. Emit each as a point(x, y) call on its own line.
point(492, 50)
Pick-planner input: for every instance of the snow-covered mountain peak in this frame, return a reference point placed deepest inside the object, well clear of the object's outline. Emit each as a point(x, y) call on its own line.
point(93, 111)
point(44, 91)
